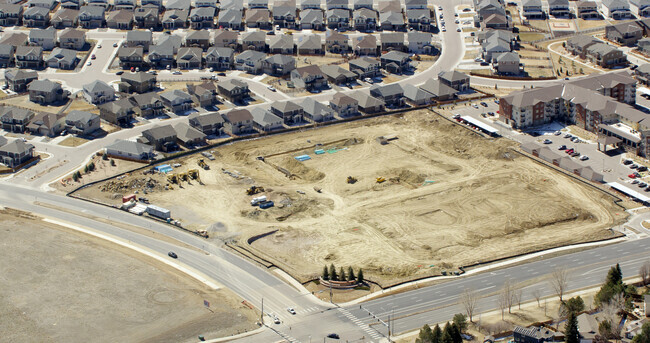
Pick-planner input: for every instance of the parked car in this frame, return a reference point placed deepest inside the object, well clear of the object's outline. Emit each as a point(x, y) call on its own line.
point(584, 158)
point(634, 166)
point(177, 72)
point(568, 135)
point(271, 88)
point(575, 154)
point(643, 184)
point(634, 182)
point(475, 106)
point(115, 45)
point(642, 168)
point(483, 104)
point(89, 63)
point(562, 147)
point(631, 176)
point(92, 57)
point(221, 74)
point(626, 162)
point(548, 141)
point(99, 46)
point(459, 30)
point(557, 133)
point(291, 310)
point(119, 72)
point(570, 151)
point(334, 336)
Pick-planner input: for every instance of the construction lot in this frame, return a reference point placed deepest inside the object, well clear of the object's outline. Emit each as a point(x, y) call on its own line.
point(450, 198)
point(69, 287)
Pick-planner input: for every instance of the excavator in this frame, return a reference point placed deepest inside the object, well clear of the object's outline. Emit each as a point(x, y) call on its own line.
point(184, 177)
point(254, 190)
point(352, 180)
point(381, 179)
point(194, 174)
point(203, 165)
point(173, 178)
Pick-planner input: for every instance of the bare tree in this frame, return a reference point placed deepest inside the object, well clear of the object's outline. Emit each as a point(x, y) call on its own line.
point(502, 302)
point(468, 299)
point(558, 281)
point(538, 295)
point(644, 272)
point(508, 295)
point(518, 294)
point(611, 312)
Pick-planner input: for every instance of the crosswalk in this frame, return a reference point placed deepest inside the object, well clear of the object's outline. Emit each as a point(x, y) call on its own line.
point(370, 331)
point(309, 310)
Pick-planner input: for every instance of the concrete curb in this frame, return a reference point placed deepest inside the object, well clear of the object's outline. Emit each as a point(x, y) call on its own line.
point(187, 270)
point(303, 291)
point(238, 336)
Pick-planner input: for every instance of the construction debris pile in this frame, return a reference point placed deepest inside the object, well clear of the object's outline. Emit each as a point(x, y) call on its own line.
point(146, 184)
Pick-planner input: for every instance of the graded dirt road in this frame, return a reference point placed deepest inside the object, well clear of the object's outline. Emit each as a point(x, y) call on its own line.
point(450, 198)
point(60, 286)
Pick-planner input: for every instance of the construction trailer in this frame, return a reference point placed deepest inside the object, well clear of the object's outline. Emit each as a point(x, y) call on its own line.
point(159, 212)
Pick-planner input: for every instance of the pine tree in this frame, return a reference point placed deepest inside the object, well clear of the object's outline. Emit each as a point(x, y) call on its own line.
point(644, 335)
point(86, 169)
point(436, 334)
point(571, 333)
point(455, 334)
point(360, 279)
point(91, 166)
point(75, 178)
point(613, 285)
point(460, 320)
point(350, 274)
point(333, 275)
point(105, 157)
point(425, 335)
point(326, 274)
point(342, 274)
point(447, 334)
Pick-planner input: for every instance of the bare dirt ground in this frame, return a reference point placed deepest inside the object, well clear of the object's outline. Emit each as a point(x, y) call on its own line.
point(451, 198)
point(97, 292)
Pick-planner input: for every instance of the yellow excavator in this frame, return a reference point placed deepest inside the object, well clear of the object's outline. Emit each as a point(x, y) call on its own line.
point(381, 179)
point(352, 179)
point(172, 178)
point(203, 165)
point(254, 190)
point(194, 174)
point(184, 177)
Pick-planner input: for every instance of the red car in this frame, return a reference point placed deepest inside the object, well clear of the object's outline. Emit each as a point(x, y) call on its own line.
point(570, 151)
point(632, 176)
point(132, 69)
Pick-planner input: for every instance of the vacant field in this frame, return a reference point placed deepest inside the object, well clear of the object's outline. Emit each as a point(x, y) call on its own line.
point(73, 141)
point(530, 36)
point(60, 286)
point(450, 198)
point(23, 101)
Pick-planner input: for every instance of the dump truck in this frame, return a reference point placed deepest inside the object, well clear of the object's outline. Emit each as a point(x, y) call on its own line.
point(254, 190)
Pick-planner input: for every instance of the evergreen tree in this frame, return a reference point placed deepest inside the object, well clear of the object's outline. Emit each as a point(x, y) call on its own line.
point(75, 178)
point(455, 334)
point(342, 274)
point(605, 329)
point(460, 320)
point(91, 166)
point(644, 335)
point(571, 333)
point(333, 275)
point(575, 305)
point(326, 274)
point(360, 279)
point(105, 157)
point(436, 334)
point(425, 336)
point(350, 274)
point(613, 285)
point(447, 334)
point(86, 169)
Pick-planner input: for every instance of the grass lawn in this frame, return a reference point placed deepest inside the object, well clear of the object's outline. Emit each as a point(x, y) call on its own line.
point(590, 24)
point(541, 25)
point(73, 141)
point(530, 36)
point(80, 105)
point(470, 54)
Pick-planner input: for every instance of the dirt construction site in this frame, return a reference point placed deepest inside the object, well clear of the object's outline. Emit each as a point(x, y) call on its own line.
point(434, 197)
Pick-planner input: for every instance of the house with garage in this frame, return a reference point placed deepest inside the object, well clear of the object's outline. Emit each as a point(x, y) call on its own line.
point(392, 21)
point(258, 18)
point(138, 82)
point(392, 94)
point(15, 119)
point(265, 121)
point(640, 7)
point(336, 43)
point(72, 39)
point(203, 94)
point(189, 58)
point(17, 80)
point(309, 77)
point(332, 4)
point(367, 103)
point(587, 10)
point(161, 55)
point(284, 16)
point(508, 64)
point(46, 4)
point(7, 52)
point(178, 5)
point(45, 38)
point(147, 17)
point(625, 34)
point(344, 106)
point(161, 138)
point(91, 17)
point(98, 3)
point(365, 19)
point(440, 90)
point(237, 122)
point(290, 112)
point(16, 153)
point(337, 75)
point(281, 44)
point(278, 65)
point(130, 150)
point(98, 92)
point(605, 55)
point(225, 39)
point(577, 45)
point(81, 123)
point(455, 79)
point(189, 136)
point(420, 43)
point(36, 17)
point(395, 62)
point(10, 14)
point(210, 124)
point(147, 105)
point(233, 5)
point(206, 3)
point(62, 59)
point(532, 9)
point(141, 38)
point(338, 18)
point(616, 9)
point(218, 58)
point(312, 19)
point(310, 4)
point(392, 41)
point(357, 4)
point(46, 92)
point(230, 19)
point(365, 67)
point(559, 8)
point(71, 4)
point(175, 19)
point(234, 90)
point(415, 4)
point(255, 40)
point(258, 4)
point(66, 17)
point(119, 112)
point(643, 46)
point(310, 45)
point(130, 57)
point(316, 111)
point(417, 96)
point(124, 4)
point(47, 124)
point(365, 45)
point(419, 19)
point(250, 61)
point(30, 57)
point(198, 39)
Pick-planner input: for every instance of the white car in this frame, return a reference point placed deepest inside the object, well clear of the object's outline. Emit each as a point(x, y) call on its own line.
point(99, 46)
point(367, 79)
point(584, 158)
point(177, 73)
point(271, 88)
point(89, 63)
point(291, 310)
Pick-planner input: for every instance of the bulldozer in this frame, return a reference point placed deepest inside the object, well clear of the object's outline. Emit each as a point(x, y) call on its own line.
point(381, 179)
point(254, 190)
point(194, 174)
point(203, 165)
point(172, 178)
point(352, 180)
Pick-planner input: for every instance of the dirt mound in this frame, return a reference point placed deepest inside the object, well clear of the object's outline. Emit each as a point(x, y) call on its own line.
point(353, 141)
point(302, 171)
point(405, 175)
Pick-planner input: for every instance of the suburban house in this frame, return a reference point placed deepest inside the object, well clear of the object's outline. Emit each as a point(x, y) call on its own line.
point(233, 5)
point(203, 94)
point(124, 4)
point(365, 45)
point(578, 45)
point(238, 122)
point(45, 38)
point(175, 19)
point(392, 94)
point(226, 39)
point(338, 18)
point(175, 41)
point(151, 3)
point(234, 90)
point(66, 17)
point(189, 136)
point(395, 62)
point(331, 4)
point(47, 4)
point(219, 58)
point(6, 55)
point(102, 3)
point(15, 119)
point(284, 16)
point(365, 67)
point(147, 17)
point(70, 4)
point(417, 96)
point(198, 39)
point(344, 105)
point(229, 18)
point(189, 58)
point(312, 19)
point(177, 101)
point(310, 45)
point(640, 7)
point(147, 105)
point(259, 18)
point(559, 8)
point(130, 150)
point(419, 19)
point(98, 92)
point(532, 335)
point(46, 92)
point(308, 77)
point(10, 14)
point(47, 124)
point(210, 124)
point(289, 111)
point(616, 9)
point(532, 9)
point(281, 44)
point(265, 121)
point(392, 41)
point(587, 10)
point(36, 17)
point(62, 59)
point(138, 82)
point(255, 40)
point(250, 61)
point(363, 4)
point(278, 65)
point(455, 80)
point(508, 63)
point(605, 55)
point(72, 39)
point(161, 55)
point(389, 6)
point(439, 90)
point(625, 34)
point(392, 21)
point(91, 17)
point(316, 111)
point(420, 43)
point(258, 4)
point(29, 57)
point(337, 75)
point(336, 42)
point(16, 153)
point(130, 57)
point(178, 5)
point(367, 103)
point(141, 38)
point(161, 138)
point(415, 4)
point(17, 79)
point(365, 19)
point(643, 45)
point(81, 123)
point(309, 4)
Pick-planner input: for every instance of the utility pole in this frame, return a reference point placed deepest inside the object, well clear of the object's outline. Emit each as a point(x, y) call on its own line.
point(262, 314)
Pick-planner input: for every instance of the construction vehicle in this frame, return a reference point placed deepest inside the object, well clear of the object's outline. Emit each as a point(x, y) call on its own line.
point(352, 179)
point(194, 174)
point(381, 179)
point(317, 189)
point(172, 178)
point(203, 165)
point(184, 177)
point(254, 190)
point(202, 233)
